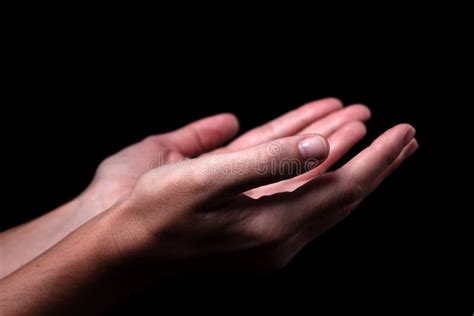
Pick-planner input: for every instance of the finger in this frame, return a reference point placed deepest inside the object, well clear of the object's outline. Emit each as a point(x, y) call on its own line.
point(340, 143)
point(326, 219)
point(406, 152)
point(365, 171)
point(357, 178)
point(249, 168)
point(332, 122)
point(202, 135)
point(287, 124)
point(329, 198)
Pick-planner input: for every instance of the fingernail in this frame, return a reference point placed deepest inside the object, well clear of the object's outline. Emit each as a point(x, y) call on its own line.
point(409, 136)
point(314, 147)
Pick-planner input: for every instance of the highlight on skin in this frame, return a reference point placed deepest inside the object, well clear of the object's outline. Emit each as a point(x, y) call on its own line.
point(177, 202)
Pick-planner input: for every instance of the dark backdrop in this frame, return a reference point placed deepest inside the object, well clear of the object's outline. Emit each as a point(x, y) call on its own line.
point(72, 107)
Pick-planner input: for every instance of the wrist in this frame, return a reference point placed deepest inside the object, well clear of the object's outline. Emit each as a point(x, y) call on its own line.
point(88, 259)
point(124, 243)
point(134, 242)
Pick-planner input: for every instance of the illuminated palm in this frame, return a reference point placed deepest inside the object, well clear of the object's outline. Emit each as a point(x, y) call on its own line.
point(117, 175)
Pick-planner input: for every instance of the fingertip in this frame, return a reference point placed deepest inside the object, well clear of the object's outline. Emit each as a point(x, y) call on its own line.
point(356, 128)
point(329, 103)
point(404, 130)
point(360, 112)
point(404, 126)
point(229, 120)
point(411, 148)
point(333, 101)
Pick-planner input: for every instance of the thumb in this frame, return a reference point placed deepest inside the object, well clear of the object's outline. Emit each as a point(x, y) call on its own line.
point(203, 135)
point(264, 164)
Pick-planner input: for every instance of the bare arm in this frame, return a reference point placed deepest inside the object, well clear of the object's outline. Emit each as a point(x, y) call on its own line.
point(117, 175)
point(22, 243)
point(196, 215)
point(73, 277)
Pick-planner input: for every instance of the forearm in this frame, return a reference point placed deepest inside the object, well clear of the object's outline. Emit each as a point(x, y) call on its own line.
point(21, 244)
point(82, 274)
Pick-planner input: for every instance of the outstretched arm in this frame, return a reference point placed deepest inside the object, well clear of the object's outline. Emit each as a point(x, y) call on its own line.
point(195, 215)
point(118, 174)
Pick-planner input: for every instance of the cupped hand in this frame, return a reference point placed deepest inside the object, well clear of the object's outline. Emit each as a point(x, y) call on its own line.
point(117, 175)
point(194, 214)
point(248, 206)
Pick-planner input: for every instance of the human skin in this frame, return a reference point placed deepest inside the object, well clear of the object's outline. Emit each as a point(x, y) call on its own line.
point(117, 175)
point(220, 211)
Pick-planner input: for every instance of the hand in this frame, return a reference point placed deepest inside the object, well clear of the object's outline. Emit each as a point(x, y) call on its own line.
point(194, 214)
point(117, 175)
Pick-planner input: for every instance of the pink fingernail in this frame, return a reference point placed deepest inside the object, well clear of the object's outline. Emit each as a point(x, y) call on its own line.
point(314, 147)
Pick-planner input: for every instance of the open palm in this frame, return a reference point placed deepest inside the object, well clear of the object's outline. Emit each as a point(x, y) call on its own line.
point(118, 174)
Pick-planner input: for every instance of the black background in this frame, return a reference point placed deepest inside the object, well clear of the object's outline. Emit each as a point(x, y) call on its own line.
point(74, 102)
